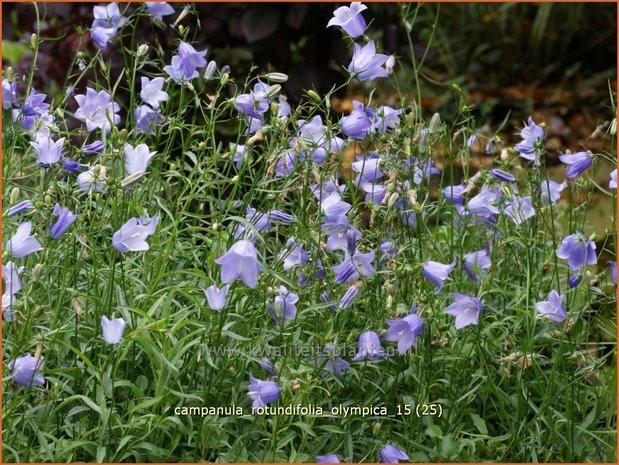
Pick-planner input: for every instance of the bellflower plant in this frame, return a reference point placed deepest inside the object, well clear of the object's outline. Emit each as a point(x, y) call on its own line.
point(240, 262)
point(262, 392)
point(466, 309)
point(369, 348)
point(578, 250)
point(22, 243)
point(131, 237)
point(577, 163)
point(112, 329)
point(97, 110)
point(366, 64)
point(349, 18)
point(25, 371)
point(392, 454)
point(64, 219)
point(552, 309)
point(405, 332)
point(216, 297)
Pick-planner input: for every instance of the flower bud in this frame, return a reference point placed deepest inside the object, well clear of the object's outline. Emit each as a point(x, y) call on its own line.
point(77, 307)
point(210, 69)
point(14, 195)
point(10, 74)
point(314, 95)
point(37, 271)
point(435, 122)
point(505, 154)
point(142, 50)
point(272, 91)
point(295, 385)
point(47, 200)
point(277, 77)
point(613, 126)
point(132, 178)
point(34, 40)
point(225, 78)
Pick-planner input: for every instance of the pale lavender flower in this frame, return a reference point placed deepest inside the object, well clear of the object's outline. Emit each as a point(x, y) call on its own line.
point(147, 119)
point(294, 255)
point(367, 169)
point(261, 221)
point(8, 300)
point(613, 271)
point(19, 208)
point(94, 178)
point(358, 124)
point(151, 91)
point(102, 35)
point(392, 454)
point(216, 297)
point(10, 274)
point(476, 263)
point(267, 365)
point(284, 307)
point(552, 309)
point(178, 72)
point(466, 309)
point(519, 209)
point(131, 237)
point(191, 58)
point(262, 392)
point(159, 9)
point(613, 179)
point(471, 141)
point(437, 273)
point(112, 329)
point(65, 219)
point(350, 19)
point(240, 262)
point(108, 16)
point(97, 110)
point(354, 266)
point(22, 243)
point(374, 192)
point(9, 94)
point(137, 158)
point(254, 104)
point(329, 458)
point(366, 64)
point(454, 194)
point(34, 105)
point(550, 191)
point(532, 135)
point(25, 370)
point(332, 362)
point(334, 206)
point(404, 331)
point(578, 250)
point(285, 164)
point(577, 163)
point(48, 151)
point(369, 347)
point(483, 204)
point(239, 154)
point(385, 118)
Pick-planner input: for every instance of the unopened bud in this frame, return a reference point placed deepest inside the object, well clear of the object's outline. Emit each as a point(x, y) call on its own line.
point(225, 77)
point(77, 307)
point(132, 178)
point(376, 427)
point(235, 179)
point(142, 50)
point(34, 40)
point(14, 195)
point(505, 154)
point(314, 95)
point(389, 302)
point(272, 91)
point(393, 198)
point(184, 13)
point(210, 69)
point(277, 77)
point(274, 108)
point(613, 126)
point(10, 74)
point(37, 271)
point(47, 200)
point(295, 385)
point(389, 64)
point(435, 122)
point(181, 28)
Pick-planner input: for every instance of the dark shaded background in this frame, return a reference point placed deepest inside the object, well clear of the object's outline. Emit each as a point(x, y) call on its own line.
point(554, 58)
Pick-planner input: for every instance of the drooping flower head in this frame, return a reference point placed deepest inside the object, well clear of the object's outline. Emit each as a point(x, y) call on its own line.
point(578, 250)
point(9, 94)
point(550, 191)
point(65, 218)
point(466, 309)
point(392, 454)
point(552, 308)
point(358, 124)
point(350, 19)
point(519, 209)
point(22, 243)
point(577, 163)
point(476, 263)
point(262, 392)
point(97, 110)
point(329, 458)
point(294, 255)
point(25, 371)
point(137, 158)
point(131, 237)
point(240, 262)
point(216, 297)
point(437, 273)
point(501, 175)
point(404, 331)
point(331, 361)
point(284, 307)
point(19, 208)
point(112, 329)
point(147, 119)
point(366, 64)
point(369, 347)
point(159, 9)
